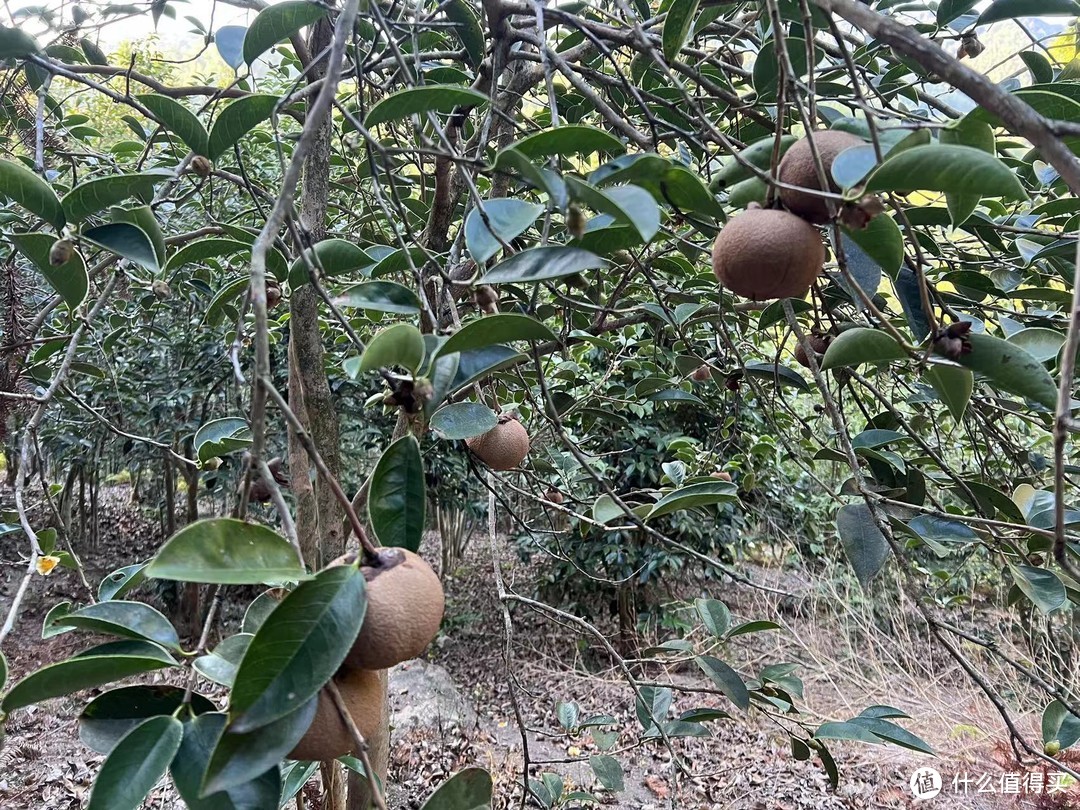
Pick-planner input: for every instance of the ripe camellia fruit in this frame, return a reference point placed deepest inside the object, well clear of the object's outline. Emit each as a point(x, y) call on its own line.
point(799, 169)
point(404, 610)
point(818, 343)
point(504, 446)
point(763, 254)
point(328, 737)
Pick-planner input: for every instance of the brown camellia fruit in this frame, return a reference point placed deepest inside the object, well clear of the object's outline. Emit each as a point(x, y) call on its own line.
point(201, 166)
point(722, 475)
point(818, 343)
point(404, 610)
point(762, 254)
point(702, 374)
point(553, 496)
point(327, 737)
point(61, 252)
point(504, 446)
point(798, 169)
point(273, 293)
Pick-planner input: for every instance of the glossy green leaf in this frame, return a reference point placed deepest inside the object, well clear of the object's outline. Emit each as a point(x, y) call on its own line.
point(726, 680)
point(949, 10)
point(239, 758)
point(142, 217)
point(953, 386)
point(507, 219)
point(178, 119)
point(463, 420)
point(16, 43)
point(1040, 342)
point(125, 240)
point(204, 249)
point(572, 139)
point(400, 345)
point(82, 672)
point(443, 98)
point(397, 495)
point(136, 764)
point(704, 494)
point(96, 195)
point(466, 25)
point(949, 168)
point(31, 192)
point(608, 771)
point(220, 437)
point(236, 120)
point(69, 280)
point(1011, 9)
point(967, 131)
point(476, 364)
point(122, 581)
point(492, 329)
point(542, 264)
point(106, 719)
point(677, 26)
point(1041, 586)
point(3, 671)
point(1009, 368)
point(227, 551)
point(776, 375)
point(470, 789)
point(714, 615)
point(845, 731)
point(127, 619)
point(220, 666)
point(882, 241)
point(278, 22)
point(188, 771)
point(1058, 723)
point(861, 345)
point(863, 542)
point(758, 154)
point(628, 204)
point(381, 296)
point(298, 647)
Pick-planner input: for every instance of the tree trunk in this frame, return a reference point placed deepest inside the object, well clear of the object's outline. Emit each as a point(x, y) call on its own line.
point(319, 517)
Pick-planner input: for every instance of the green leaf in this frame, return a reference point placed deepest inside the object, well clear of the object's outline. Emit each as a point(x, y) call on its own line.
point(188, 771)
point(1009, 368)
point(574, 139)
point(94, 54)
point(954, 169)
point(83, 672)
point(470, 789)
point(298, 647)
point(1041, 343)
point(758, 154)
point(238, 758)
point(892, 733)
point(397, 495)
point(127, 619)
point(400, 345)
point(179, 120)
point(726, 680)
point(204, 249)
point(416, 100)
point(136, 764)
point(1041, 69)
point(506, 219)
point(1041, 586)
point(3, 671)
point(381, 296)
point(475, 364)
point(220, 666)
point(237, 120)
point(845, 731)
point(492, 329)
point(16, 44)
point(96, 195)
point(227, 551)
point(219, 437)
point(861, 345)
point(629, 204)
point(862, 540)
point(125, 240)
point(31, 192)
point(704, 494)
point(775, 374)
point(542, 264)
point(1010, 9)
point(1058, 723)
point(278, 22)
point(608, 771)
point(953, 386)
point(967, 131)
point(677, 26)
point(106, 719)
point(949, 10)
point(143, 218)
point(467, 28)
point(714, 615)
point(463, 420)
point(882, 241)
point(70, 279)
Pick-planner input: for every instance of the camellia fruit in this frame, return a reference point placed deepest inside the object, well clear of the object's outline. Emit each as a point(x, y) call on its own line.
point(328, 737)
point(763, 254)
point(798, 168)
point(504, 446)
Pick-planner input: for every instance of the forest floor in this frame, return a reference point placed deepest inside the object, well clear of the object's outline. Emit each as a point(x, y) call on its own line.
point(745, 765)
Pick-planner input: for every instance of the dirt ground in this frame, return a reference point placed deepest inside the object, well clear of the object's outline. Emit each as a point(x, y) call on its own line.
point(745, 765)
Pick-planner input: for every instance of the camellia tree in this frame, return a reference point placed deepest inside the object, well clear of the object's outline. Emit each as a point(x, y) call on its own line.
point(523, 230)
